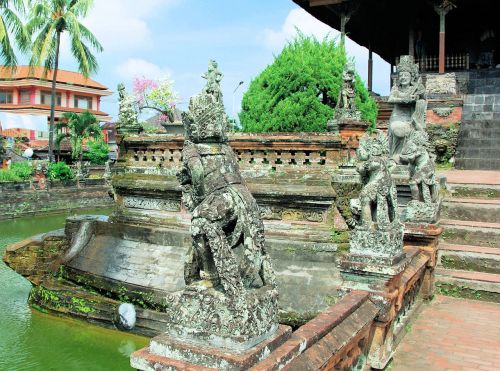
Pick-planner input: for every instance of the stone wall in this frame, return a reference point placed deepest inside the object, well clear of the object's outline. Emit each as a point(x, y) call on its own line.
point(22, 199)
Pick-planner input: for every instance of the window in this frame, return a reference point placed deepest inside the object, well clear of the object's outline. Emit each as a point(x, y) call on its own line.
point(83, 102)
point(46, 95)
point(25, 97)
point(5, 96)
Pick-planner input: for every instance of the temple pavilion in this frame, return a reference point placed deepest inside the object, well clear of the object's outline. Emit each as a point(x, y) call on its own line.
point(456, 44)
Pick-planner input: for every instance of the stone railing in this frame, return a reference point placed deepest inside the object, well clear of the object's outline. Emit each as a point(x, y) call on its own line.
point(453, 61)
point(271, 151)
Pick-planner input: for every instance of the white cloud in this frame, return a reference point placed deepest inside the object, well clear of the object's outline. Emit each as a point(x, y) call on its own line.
point(136, 67)
point(123, 24)
point(297, 19)
point(14, 120)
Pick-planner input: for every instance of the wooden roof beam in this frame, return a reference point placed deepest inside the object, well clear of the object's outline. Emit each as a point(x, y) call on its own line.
point(313, 3)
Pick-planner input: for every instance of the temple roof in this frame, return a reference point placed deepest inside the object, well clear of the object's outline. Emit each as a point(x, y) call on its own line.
point(63, 76)
point(385, 24)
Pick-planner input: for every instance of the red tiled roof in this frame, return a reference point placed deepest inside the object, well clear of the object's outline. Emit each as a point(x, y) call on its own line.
point(47, 107)
point(63, 76)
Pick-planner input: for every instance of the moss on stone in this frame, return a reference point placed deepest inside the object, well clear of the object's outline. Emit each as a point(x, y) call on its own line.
point(470, 264)
point(294, 319)
point(458, 291)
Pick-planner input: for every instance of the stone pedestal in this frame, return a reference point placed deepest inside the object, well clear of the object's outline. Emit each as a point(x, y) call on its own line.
point(166, 352)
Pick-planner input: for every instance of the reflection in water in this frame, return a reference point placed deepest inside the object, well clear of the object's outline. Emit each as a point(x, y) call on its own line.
point(30, 340)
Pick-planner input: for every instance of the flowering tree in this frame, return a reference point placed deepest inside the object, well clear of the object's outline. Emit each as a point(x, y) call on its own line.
point(156, 95)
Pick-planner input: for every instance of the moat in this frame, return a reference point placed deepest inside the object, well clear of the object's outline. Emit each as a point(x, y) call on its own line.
point(30, 339)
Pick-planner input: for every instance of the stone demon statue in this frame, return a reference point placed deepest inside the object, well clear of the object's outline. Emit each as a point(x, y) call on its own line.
point(378, 199)
point(425, 203)
point(227, 230)
point(378, 233)
point(423, 182)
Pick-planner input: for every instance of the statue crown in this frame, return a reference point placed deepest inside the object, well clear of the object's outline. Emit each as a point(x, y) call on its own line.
point(406, 64)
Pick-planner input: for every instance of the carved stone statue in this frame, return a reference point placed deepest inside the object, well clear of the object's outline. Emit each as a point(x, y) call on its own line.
point(127, 115)
point(410, 104)
point(378, 231)
point(228, 254)
point(346, 105)
point(424, 188)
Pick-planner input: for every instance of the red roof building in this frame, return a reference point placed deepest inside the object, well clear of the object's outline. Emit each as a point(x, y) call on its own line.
point(29, 92)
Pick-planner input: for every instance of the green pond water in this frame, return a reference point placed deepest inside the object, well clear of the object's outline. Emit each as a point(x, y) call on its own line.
point(30, 340)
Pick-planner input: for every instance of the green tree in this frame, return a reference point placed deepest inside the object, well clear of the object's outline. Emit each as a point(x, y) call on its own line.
point(79, 127)
point(13, 33)
point(3, 151)
point(47, 21)
point(98, 152)
point(299, 90)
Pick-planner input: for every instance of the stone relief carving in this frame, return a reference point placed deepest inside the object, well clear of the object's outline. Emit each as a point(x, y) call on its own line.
point(378, 231)
point(231, 283)
point(151, 204)
point(410, 105)
point(424, 187)
point(443, 111)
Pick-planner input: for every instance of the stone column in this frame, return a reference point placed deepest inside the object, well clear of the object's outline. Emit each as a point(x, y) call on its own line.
point(370, 69)
point(411, 42)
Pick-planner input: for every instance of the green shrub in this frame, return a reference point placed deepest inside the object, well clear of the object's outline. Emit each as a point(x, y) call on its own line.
point(60, 171)
point(97, 153)
point(8, 176)
point(23, 170)
point(300, 89)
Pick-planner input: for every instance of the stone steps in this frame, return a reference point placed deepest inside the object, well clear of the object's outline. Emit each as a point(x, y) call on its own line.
point(469, 232)
point(471, 209)
point(489, 282)
point(469, 258)
point(469, 253)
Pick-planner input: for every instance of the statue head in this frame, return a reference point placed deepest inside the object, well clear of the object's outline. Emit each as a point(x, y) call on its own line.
point(407, 71)
point(349, 70)
point(121, 90)
point(206, 120)
point(372, 145)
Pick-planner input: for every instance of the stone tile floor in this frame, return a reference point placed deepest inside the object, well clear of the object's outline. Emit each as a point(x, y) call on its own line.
point(452, 334)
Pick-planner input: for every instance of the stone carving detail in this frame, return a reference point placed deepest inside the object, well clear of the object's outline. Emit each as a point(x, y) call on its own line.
point(346, 106)
point(441, 83)
point(443, 111)
point(378, 232)
point(278, 213)
point(127, 114)
point(410, 105)
point(151, 203)
point(231, 282)
point(424, 205)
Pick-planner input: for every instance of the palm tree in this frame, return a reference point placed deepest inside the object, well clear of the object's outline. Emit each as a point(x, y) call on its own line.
point(79, 127)
point(11, 26)
point(48, 20)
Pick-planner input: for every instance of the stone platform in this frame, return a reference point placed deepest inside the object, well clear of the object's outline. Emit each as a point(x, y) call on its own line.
point(169, 353)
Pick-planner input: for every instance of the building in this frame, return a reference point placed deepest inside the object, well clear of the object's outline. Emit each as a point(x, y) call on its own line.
point(29, 92)
point(456, 44)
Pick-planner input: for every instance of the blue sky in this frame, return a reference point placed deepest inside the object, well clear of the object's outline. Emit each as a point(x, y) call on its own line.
point(154, 38)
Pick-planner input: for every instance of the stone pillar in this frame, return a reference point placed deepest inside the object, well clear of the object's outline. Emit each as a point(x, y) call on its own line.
point(411, 42)
point(370, 69)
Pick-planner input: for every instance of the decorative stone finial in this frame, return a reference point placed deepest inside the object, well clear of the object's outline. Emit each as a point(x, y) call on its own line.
point(127, 115)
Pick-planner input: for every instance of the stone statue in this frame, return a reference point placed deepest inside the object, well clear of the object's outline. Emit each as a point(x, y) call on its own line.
point(346, 105)
point(378, 231)
point(213, 77)
point(228, 252)
point(410, 104)
point(424, 188)
point(128, 121)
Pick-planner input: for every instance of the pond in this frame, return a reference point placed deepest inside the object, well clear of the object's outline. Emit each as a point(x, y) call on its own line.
point(31, 340)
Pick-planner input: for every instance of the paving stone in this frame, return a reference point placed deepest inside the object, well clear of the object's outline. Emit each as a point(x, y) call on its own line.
point(455, 334)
